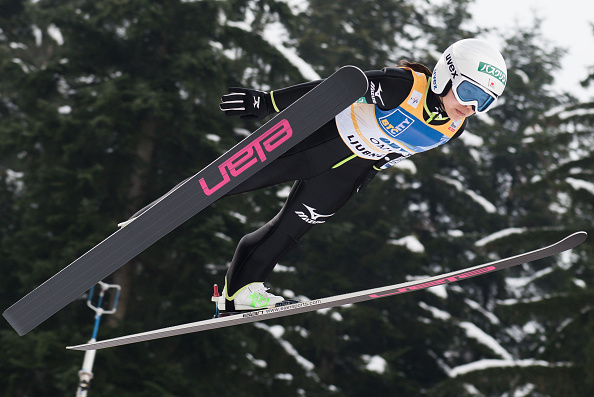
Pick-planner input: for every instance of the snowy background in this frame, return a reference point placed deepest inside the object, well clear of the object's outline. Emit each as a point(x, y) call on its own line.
point(566, 24)
point(104, 106)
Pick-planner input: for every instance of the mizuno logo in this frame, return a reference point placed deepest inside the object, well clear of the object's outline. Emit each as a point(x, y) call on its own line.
point(376, 93)
point(312, 216)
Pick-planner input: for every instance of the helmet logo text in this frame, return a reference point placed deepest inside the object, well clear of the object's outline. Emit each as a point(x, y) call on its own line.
point(451, 66)
point(492, 71)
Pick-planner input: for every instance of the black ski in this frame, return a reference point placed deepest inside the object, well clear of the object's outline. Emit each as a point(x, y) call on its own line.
point(567, 243)
point(268, 142)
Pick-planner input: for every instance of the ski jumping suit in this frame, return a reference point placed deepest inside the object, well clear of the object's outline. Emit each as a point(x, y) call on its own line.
point(398, 117)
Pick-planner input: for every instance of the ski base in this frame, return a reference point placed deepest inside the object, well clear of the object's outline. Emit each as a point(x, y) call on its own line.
point(253, 153)
point(565, 244)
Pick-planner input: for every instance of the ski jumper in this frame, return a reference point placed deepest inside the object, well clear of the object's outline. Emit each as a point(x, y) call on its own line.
point(398, 117)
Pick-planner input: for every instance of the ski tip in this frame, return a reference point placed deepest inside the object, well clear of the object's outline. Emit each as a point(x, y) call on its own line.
point(579, 237)
point(354, 74)
point(358, 69)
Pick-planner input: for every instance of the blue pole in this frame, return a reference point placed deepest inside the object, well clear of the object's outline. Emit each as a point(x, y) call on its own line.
point(86, 373)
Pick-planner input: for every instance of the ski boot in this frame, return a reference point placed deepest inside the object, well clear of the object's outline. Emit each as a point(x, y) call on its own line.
point(254, 296)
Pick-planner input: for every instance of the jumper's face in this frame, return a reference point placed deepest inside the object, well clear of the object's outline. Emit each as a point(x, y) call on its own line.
point(455, 110)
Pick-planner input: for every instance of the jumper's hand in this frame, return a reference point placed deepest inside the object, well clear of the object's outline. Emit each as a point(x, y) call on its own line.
point(368, 178)
point(246, 103)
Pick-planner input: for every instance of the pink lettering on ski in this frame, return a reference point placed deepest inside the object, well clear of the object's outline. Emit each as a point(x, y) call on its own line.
point(249, 155)
point(440, 281)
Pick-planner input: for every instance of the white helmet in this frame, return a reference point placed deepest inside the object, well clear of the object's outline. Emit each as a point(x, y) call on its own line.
point(476, 70)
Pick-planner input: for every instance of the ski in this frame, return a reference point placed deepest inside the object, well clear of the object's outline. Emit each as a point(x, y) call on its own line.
point(264, 145)
point(565, 244)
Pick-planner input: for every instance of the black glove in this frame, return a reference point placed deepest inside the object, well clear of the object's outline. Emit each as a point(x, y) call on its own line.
point(246, 103)
point(368, 178)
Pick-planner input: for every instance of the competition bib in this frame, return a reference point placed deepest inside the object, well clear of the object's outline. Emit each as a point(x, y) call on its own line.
point(372, 133)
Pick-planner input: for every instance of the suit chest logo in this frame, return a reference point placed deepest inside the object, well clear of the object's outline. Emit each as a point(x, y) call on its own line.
point(395, 123)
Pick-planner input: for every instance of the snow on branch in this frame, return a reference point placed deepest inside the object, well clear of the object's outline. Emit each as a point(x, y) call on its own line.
point(486, 204)
point(494, 363)
point(277, 332)
point(474, 332)
point(275, 33)
point(580, 184)
point(500, 234)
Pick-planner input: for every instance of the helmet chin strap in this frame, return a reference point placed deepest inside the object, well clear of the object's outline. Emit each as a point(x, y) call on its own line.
point(437, 114)
point(441, 105)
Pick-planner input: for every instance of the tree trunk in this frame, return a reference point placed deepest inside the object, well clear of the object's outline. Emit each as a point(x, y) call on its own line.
point(124, 276)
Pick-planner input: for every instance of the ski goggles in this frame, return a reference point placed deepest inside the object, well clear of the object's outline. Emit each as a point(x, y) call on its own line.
point(469, 93)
